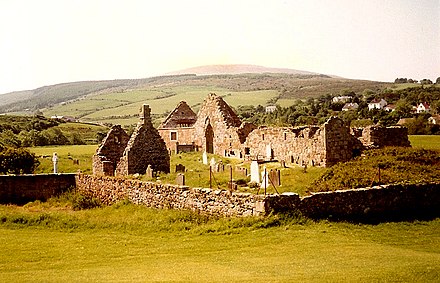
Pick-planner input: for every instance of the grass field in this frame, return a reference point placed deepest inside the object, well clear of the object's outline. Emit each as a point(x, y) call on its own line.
point(135, 244)
point(111, 107)
point(426, 142)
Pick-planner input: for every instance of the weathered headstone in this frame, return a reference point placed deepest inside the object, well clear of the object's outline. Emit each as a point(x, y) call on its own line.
point(255, 172)
point(55, 163)
point(180, 179)
point(205, 158)
point(275, 177)
point(220, 167)
point(212, 163)
point(149, 172)
point(180, 168)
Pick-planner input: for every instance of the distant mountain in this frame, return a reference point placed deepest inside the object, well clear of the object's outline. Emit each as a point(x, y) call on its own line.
point(235, 69)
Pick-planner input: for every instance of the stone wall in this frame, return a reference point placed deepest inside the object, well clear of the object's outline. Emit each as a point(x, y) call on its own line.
point(383, 202)
point(216, 202)
point(303, 146)
point(20, 189)
point(377, 136)
point(182, 136)
point(110, 151)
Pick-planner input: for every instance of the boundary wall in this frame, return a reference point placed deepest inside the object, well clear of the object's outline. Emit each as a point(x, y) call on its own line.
point(399, 201)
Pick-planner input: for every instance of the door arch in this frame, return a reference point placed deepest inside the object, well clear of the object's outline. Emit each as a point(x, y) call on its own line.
point(209, 138)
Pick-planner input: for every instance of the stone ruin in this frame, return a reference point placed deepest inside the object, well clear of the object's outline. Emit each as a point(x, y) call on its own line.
point(217, 129)
point(120, 154)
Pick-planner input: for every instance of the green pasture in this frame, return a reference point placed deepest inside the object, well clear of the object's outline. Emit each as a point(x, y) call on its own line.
point(128, 243)
point(66, 156)
point(112, 107)
point(425, 141)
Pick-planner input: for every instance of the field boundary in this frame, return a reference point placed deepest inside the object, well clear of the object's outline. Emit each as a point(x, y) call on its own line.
point(395, 201)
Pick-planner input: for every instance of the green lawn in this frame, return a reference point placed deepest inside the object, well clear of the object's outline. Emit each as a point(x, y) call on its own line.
point(425, 141)
point(136, 244)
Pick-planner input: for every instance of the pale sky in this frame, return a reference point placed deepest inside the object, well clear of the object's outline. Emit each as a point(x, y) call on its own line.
point(47, 42)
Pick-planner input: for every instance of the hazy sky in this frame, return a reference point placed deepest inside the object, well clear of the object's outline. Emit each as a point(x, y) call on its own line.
point(46, 42)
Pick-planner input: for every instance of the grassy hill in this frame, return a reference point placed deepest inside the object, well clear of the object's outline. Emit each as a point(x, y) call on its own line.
point(118, 101)
point(121, 105)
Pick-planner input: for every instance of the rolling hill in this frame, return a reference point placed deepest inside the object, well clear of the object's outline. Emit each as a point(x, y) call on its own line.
point(118, 101)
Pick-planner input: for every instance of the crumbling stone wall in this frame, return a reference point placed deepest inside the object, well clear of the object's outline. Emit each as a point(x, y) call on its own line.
point(378, 136)
point(145, 147)
point(302, 145)
point(215, 202)
point(382, 202)
point(339, 144)
point(110, 151)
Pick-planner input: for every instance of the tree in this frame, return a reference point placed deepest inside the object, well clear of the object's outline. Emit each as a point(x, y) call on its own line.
point(437, 81)
point(17, 161)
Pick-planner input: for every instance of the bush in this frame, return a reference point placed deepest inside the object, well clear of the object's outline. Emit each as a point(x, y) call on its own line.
point(18, 161)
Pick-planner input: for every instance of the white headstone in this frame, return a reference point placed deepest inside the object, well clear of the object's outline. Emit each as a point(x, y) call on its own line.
point(205, 158)
point(212, 162)
point(55, 162)
point(255, 172)
point(268, 152)
point(264, 178)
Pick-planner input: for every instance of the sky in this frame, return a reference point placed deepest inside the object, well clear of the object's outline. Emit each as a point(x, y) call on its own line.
point(46, 42)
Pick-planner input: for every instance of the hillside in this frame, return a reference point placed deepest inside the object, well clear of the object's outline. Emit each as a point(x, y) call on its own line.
point(118, 101)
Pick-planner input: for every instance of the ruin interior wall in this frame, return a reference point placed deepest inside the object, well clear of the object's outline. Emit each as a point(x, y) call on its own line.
point(303, 146)
point(378, 136)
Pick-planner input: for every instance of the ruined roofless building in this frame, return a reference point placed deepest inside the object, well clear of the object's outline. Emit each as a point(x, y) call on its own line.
point(219, 130)
point(130, 156)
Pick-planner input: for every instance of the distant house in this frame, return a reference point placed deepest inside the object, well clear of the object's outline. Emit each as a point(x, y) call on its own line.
point(377, 103)
point(271, 108)
point(350, 106)
point(390, 107)
point(434, 120)
point(337, 99)
point(64, 118)
point(423, 108)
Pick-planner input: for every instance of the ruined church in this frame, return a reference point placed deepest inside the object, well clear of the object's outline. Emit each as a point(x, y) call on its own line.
point(217, 129)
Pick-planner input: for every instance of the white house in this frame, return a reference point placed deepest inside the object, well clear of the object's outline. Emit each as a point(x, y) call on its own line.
point(423, 108)
point(377, 104)
point(271, 108)
point(434, 120)
point(350, 106)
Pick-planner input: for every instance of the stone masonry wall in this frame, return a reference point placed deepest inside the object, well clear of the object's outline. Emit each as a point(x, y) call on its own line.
point(145, 147)
point(303, 146)
point(384, 202)
point(20, 189)
point(216, 202)
point(111, 149)
point(377, 136)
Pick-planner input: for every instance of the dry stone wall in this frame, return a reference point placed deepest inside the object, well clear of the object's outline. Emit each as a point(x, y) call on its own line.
point(216, 202)
point(377, 136)
point(383, 202)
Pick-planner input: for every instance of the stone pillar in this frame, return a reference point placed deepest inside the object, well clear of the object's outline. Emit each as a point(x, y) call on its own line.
point(144, 116)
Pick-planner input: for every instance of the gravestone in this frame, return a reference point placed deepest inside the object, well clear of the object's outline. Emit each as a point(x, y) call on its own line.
point(149, 172)
point(283, 164)
point(220, 167)
point(180, 179)
point(180, 168)
point(264, 178)
point(275, 177)
point(255, 171)
point(212, 163)
point(205, 158)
